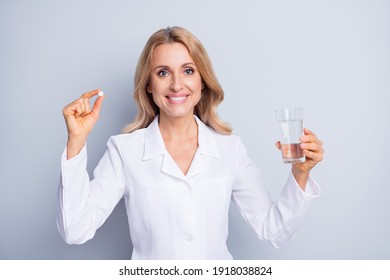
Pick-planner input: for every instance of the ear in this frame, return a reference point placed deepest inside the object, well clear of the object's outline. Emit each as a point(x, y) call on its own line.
point(202, 86)
point(148, 88)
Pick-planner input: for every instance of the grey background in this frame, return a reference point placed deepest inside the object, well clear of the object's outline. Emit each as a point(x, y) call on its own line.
point(330, 57)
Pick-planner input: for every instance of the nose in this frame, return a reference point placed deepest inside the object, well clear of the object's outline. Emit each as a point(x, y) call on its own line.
point(176, 83)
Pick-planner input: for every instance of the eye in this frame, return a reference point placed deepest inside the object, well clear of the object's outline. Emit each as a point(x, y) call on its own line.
point(163, 73)
point(189, 71)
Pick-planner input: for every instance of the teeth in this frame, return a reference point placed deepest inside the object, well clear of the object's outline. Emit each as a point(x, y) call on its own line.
point(181, 98)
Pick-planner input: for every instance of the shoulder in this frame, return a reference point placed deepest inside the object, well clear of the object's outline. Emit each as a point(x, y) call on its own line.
point(127, 141)
point(210, 137)
point(225, 143)
point(228, 140)
point(129, 137)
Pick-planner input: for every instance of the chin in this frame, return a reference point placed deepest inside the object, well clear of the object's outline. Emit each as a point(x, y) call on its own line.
point(178, 114)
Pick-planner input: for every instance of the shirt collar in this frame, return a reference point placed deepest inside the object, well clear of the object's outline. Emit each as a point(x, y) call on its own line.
point(154, 143)
point(206, 140)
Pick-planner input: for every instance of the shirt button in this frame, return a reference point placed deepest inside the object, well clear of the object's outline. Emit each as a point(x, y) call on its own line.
point(189, 238)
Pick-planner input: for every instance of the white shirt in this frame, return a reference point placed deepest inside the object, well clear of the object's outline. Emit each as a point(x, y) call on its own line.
point(172, 215)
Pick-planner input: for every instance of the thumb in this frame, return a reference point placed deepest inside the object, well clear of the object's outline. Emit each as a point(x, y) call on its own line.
point(97, 105)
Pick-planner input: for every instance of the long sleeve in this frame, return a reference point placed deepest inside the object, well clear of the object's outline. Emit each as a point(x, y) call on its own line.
point(84, 205)
point(274, 221)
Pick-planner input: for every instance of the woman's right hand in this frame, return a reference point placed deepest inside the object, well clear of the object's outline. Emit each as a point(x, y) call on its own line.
point(80, 120)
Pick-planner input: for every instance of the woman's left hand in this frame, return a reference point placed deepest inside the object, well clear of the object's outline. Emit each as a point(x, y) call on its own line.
point(312, 149)
point(314, 153)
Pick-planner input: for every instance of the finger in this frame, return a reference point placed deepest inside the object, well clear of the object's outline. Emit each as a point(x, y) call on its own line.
point(309, 138)
point(78, 109)
point(97, 105)
point(86, 105)
point(315, 147)
point(307, 131)
point(316, 157)
point(68, 110)
point(91, 93)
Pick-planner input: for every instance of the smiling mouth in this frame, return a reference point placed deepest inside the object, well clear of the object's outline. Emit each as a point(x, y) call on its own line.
point(177, 99)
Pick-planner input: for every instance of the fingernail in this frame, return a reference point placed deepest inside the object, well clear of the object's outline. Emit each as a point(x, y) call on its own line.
point(101, 93)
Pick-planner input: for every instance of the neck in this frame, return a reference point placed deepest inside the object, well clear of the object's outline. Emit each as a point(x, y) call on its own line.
point(178, 128)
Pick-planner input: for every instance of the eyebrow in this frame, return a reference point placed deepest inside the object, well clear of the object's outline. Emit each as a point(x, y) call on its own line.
point(167, 67)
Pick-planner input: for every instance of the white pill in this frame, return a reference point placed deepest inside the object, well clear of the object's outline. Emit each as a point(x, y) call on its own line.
point(101, 93)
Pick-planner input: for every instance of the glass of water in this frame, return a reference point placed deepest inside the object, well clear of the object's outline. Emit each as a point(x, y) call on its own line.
point(291, 124)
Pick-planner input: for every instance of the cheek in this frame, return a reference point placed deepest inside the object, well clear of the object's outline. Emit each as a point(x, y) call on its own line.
point(157, 98)
point(156, 86)
point(195, 84)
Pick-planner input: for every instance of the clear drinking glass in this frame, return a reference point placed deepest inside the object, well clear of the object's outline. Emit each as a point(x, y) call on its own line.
point(291, 124)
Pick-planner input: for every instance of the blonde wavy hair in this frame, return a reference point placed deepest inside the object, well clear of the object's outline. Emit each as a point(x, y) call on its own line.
point(212, 92)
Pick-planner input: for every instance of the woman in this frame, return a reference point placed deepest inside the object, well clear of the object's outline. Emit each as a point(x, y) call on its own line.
point(178, 166)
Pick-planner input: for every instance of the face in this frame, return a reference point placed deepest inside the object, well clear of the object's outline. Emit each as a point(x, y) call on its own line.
point(175, 82)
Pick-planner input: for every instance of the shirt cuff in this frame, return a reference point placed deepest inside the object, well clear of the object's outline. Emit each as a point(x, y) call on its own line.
point(67, 163)
point(312, 189)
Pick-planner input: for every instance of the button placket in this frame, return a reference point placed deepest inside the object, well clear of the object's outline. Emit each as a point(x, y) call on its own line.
point(189, 229)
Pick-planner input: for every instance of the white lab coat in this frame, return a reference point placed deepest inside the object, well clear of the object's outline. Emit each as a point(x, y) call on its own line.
point(172, 215)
